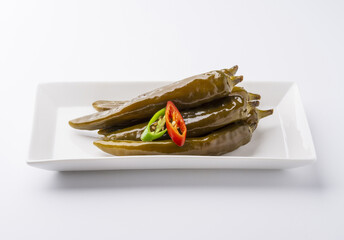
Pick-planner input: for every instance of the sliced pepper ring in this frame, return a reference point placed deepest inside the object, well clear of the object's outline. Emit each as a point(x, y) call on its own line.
point(172, 113)
point(147, 135)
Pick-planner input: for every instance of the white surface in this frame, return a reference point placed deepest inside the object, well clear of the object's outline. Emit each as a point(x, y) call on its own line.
point(282, 140)
point(43, 41)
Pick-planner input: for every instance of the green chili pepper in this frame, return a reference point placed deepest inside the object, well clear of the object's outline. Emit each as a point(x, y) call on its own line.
point(218, 142)
point(201, 120)
point(188, 93)
point(147, 135)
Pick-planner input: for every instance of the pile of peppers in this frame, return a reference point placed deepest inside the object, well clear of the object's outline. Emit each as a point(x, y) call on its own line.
point(206, 114)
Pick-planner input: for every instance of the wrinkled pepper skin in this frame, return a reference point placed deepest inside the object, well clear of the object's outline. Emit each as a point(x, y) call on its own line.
point(103, 105)
point(129, 133)
point(217, 143)
point(188, 93)
point(199, 121)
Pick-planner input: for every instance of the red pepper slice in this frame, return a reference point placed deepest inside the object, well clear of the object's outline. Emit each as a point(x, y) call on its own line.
point(175, 121)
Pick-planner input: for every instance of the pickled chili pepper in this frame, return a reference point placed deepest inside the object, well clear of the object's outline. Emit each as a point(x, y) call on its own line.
point(188, 93)
point(147, 135)
point(218, 142)
point(175, 124)
point(199, 121)
point(104, 105)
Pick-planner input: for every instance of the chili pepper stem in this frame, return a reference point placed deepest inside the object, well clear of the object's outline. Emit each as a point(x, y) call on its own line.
point(231, 71)
point(236, 79)
point(253, 96)
point(264, 113)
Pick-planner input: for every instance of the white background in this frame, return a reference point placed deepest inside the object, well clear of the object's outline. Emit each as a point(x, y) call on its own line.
point(48, 41)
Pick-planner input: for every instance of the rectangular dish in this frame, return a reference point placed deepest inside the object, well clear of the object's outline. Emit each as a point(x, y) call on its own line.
point(282, 140)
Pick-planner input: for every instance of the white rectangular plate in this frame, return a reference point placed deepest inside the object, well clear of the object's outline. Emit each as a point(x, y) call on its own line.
point(282, 140)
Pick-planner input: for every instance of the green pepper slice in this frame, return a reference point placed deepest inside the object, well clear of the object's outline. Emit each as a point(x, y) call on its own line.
point(147, 135)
